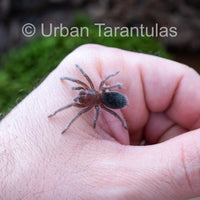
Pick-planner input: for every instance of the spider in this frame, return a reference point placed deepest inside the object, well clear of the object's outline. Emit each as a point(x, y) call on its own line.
point(89, 97)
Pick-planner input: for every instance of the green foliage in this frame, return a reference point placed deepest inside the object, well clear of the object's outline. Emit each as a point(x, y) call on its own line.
point(25, 67)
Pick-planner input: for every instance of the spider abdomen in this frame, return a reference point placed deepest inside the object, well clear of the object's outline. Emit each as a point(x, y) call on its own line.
point(114, 100)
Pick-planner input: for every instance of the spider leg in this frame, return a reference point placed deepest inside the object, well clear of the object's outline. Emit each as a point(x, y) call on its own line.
point(65, 107)
point(118, 85)
point(76, 98)
point(116, 115)
point(106, 78)
point(76, 81)
point(86, 76)
point(96, 116)
point(76, 116)
point(78, 88)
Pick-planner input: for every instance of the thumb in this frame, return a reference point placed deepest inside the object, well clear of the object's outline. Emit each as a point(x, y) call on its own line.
point(169, 170)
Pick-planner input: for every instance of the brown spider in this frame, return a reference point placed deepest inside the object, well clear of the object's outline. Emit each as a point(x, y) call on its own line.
point(89, 97)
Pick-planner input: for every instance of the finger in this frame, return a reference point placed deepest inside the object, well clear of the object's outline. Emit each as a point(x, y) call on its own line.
point(160, 128)
point(185, 105)
point(173, 131)
point(100, 57)
point(106, 121)
point(161, 81)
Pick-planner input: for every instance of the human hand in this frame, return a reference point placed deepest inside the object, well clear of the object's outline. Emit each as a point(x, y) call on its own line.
point(37, 162)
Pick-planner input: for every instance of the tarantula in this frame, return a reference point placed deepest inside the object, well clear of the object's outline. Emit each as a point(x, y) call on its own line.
point(89, 97)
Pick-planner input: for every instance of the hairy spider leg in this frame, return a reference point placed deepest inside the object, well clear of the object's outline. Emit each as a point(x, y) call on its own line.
point(78, 88)
point(96, 116)
point(76, 81)
point(76, 98)
point(106, 78)
point(116, 115)
point(76, 116)
point(118, 85)
point(65, 107)
point(86, 76)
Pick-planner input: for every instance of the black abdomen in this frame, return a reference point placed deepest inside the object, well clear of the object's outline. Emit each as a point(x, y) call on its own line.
point(114, 100)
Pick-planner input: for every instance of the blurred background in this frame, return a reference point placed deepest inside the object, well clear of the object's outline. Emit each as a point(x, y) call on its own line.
point(25, 61)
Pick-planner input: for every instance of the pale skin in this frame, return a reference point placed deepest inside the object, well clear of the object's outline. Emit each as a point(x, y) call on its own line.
point(37, 162)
